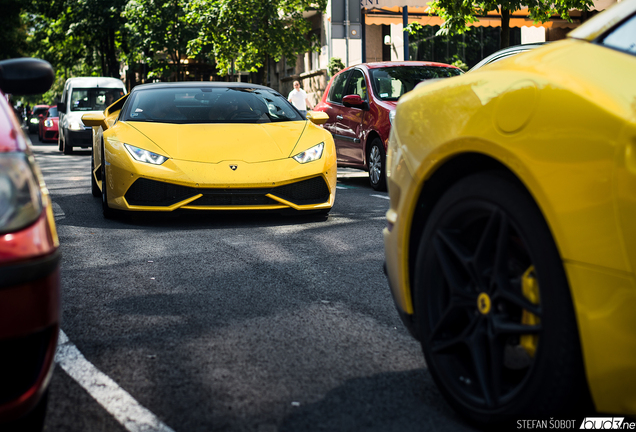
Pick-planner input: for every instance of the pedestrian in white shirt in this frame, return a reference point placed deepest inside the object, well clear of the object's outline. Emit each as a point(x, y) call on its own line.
point(298, 98)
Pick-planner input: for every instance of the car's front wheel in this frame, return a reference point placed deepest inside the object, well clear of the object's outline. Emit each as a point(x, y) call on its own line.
point(94, 186)
point(67, 148)
point(492, 305)
point(376, 164)
point(106, 210)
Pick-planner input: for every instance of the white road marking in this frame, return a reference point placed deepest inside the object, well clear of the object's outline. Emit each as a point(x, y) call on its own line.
point(118, 402)
point(381, 196)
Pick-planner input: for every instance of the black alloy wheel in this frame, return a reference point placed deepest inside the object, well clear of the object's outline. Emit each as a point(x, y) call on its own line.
point(493, 308)
point(376, 163)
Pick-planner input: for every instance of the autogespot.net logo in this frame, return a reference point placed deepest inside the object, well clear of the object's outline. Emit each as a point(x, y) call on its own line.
point(607, 423)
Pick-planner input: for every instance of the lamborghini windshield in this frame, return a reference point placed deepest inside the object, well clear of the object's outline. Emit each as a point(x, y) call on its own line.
point(390, 83)
point(209, 105)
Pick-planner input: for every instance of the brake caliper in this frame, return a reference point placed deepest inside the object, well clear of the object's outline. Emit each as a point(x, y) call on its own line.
point(530, 290)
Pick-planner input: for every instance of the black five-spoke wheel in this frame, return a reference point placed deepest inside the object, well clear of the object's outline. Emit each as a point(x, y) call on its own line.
point(492, 305)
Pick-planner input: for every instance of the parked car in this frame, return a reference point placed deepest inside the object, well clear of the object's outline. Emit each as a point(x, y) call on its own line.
point(34, 118)
point(210, 146)
point(48, 130)
point(29, 261)
point(505, 53)
point(359, 100)
point(511, 235)
point(83, 95)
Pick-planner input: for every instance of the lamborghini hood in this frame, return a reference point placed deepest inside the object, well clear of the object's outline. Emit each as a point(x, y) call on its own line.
point(214, 143)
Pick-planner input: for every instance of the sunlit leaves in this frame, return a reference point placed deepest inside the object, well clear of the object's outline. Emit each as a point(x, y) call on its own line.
point(243, 34)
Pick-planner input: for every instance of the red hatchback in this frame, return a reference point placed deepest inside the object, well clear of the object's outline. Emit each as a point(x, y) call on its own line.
point(29, 261)
point(48, 130)
point(359, 101)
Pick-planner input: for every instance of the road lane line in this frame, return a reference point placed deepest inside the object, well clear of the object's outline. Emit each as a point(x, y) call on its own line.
point(381, 196)
point(117, 401)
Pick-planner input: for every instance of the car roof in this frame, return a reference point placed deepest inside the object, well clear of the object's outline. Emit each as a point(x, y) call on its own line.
point(95, 82)
point(199, 84)
point(377, 65)
point(599, 24)
point(507, 52)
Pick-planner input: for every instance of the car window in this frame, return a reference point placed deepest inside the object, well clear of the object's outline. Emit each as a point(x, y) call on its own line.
point(337, 88)
point(52, 112)
point(357, 85)
point(208, 105)
point(623, 37)
point(392, 82)
point(38, 111)
point(93, 99)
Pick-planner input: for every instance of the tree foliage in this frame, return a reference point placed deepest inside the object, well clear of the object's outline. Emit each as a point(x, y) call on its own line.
point(244, 34)
point(12, 30)
point(457, 14)
point(98, 37)
point(160, 32)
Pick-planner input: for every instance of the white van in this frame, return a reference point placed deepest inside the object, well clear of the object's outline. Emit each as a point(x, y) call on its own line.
point(83, 95)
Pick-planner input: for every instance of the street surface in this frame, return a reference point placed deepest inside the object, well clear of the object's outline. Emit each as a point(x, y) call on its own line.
point(231, 321)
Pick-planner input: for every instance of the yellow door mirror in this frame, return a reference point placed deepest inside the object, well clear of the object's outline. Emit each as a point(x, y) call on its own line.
point(317, 117)
point(95, 119)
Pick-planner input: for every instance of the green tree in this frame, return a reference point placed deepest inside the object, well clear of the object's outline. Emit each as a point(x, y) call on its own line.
point(245, 34)
point(159, 31)
point(457, 14)
point(71, 33)
point(12, 30)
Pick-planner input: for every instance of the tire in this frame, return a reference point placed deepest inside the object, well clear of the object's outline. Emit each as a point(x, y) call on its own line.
point(33, 421)
point(94, 186)
point(496, 353)
point(376, 163)
point(106, 211)
point(68, 150)
point(59, 141)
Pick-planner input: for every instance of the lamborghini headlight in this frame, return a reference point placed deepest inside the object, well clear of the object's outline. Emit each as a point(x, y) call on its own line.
point(20, 194)
point(142, 155)
point(75, 125)
point(311, 154)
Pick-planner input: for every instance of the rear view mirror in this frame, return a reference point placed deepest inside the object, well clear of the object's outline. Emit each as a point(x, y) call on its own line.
point(25, 76)
point(95, 119)
point(353, 101)
point(61, 107)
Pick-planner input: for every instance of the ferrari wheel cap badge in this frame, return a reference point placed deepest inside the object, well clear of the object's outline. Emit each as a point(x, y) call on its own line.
point(483, 303)
point(233, 167)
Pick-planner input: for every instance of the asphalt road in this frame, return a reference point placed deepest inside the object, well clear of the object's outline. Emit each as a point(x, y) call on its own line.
point(234, 322)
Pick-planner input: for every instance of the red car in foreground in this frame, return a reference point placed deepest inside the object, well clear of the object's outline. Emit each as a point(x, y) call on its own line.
point(29, 261)
point(359, 101)
point(48, 130)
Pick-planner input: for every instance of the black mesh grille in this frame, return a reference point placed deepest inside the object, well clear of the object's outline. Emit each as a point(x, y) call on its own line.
point(233, 200)
point(21, 363)
point(146, 192)
point(312, 191)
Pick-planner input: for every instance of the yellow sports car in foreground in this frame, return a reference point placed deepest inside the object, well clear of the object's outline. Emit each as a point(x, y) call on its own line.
point(511, 234)
point(210, 146)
